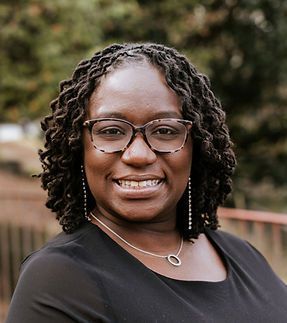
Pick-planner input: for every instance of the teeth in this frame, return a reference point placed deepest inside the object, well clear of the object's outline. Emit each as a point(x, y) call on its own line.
point(147, 183)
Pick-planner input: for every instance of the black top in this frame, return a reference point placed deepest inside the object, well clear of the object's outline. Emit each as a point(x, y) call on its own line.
point(87, 277)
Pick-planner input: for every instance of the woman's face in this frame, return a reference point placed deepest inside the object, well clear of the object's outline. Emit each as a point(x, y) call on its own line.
point(137, 93)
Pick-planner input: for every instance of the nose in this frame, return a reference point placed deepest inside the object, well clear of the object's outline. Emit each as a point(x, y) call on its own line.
point(138, 154)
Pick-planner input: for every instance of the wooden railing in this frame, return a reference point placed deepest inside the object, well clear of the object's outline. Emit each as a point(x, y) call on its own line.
point(25, 225)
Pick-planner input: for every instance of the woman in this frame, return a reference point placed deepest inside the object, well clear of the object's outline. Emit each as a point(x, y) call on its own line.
point(136, 161)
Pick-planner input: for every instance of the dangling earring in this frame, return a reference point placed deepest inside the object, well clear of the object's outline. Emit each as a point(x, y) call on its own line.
point(84, 192)
point(189, 205)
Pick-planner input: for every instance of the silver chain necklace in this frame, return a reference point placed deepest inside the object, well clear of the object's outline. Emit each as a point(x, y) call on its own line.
point(171, 258)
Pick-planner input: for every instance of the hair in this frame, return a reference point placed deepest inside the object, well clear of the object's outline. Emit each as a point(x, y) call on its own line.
point(213, 160)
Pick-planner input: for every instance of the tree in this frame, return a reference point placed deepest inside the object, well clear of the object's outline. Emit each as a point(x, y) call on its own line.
point(41, 41)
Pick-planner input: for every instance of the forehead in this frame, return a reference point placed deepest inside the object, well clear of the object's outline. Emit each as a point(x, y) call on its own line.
point(135, 91)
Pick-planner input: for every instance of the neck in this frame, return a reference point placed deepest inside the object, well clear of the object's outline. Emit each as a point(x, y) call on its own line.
point(157, 236)
point(172, 258)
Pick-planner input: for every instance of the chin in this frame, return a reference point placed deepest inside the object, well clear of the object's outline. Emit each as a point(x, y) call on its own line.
point(138, 215)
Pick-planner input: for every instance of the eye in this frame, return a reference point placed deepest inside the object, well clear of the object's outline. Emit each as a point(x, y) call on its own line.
point(110, 131)
point(165, 131)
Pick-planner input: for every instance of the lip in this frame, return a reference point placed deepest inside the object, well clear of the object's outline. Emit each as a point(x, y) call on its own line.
point(138, 192)
point(138, 178)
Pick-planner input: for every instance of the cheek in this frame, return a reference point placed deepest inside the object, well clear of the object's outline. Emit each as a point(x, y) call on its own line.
point(182, 168)
point(98, 175)
point(179, 169)
point(183, 160)
point(97, 167)
point(97, 164)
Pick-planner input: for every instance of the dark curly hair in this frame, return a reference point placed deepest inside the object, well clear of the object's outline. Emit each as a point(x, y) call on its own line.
point(213, 159)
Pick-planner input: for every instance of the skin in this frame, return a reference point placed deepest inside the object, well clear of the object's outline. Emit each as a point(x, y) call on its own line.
point(145, 217)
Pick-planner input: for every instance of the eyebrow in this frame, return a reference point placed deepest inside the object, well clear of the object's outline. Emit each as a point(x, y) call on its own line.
point(156, 115)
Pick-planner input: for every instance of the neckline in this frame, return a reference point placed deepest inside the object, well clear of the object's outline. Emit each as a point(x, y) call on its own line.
point(221, 254)
point(208, 234)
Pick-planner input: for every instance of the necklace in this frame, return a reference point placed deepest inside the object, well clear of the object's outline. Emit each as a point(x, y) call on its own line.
point(173, 259)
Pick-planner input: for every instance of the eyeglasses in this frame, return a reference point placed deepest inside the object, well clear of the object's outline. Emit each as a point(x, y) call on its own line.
point(111, 135)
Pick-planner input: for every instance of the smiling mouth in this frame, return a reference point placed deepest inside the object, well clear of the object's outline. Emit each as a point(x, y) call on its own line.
point(139, 184)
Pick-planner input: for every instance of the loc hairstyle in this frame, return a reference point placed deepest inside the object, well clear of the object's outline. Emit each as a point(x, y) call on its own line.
point(213, 159)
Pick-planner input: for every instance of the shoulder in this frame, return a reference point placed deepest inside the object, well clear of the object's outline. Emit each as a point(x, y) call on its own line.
point(226, 239)
point(242, 255)
point(234, 246)
point(222, 235)
point(59, 281)
point(59, 266)
point(57, 255)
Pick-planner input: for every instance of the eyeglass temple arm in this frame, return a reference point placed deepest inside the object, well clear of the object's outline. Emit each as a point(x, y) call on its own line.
point(88, 124)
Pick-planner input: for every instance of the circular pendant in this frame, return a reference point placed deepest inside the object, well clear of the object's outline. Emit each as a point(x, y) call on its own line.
point(174, 260)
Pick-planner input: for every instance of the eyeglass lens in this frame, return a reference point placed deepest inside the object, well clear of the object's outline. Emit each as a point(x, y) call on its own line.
point(162, 135)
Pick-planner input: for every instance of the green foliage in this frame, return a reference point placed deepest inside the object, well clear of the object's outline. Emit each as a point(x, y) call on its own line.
point(241, 45)
point(41, 41)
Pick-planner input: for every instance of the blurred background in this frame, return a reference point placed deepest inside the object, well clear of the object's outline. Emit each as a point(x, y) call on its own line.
point(240, 45)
